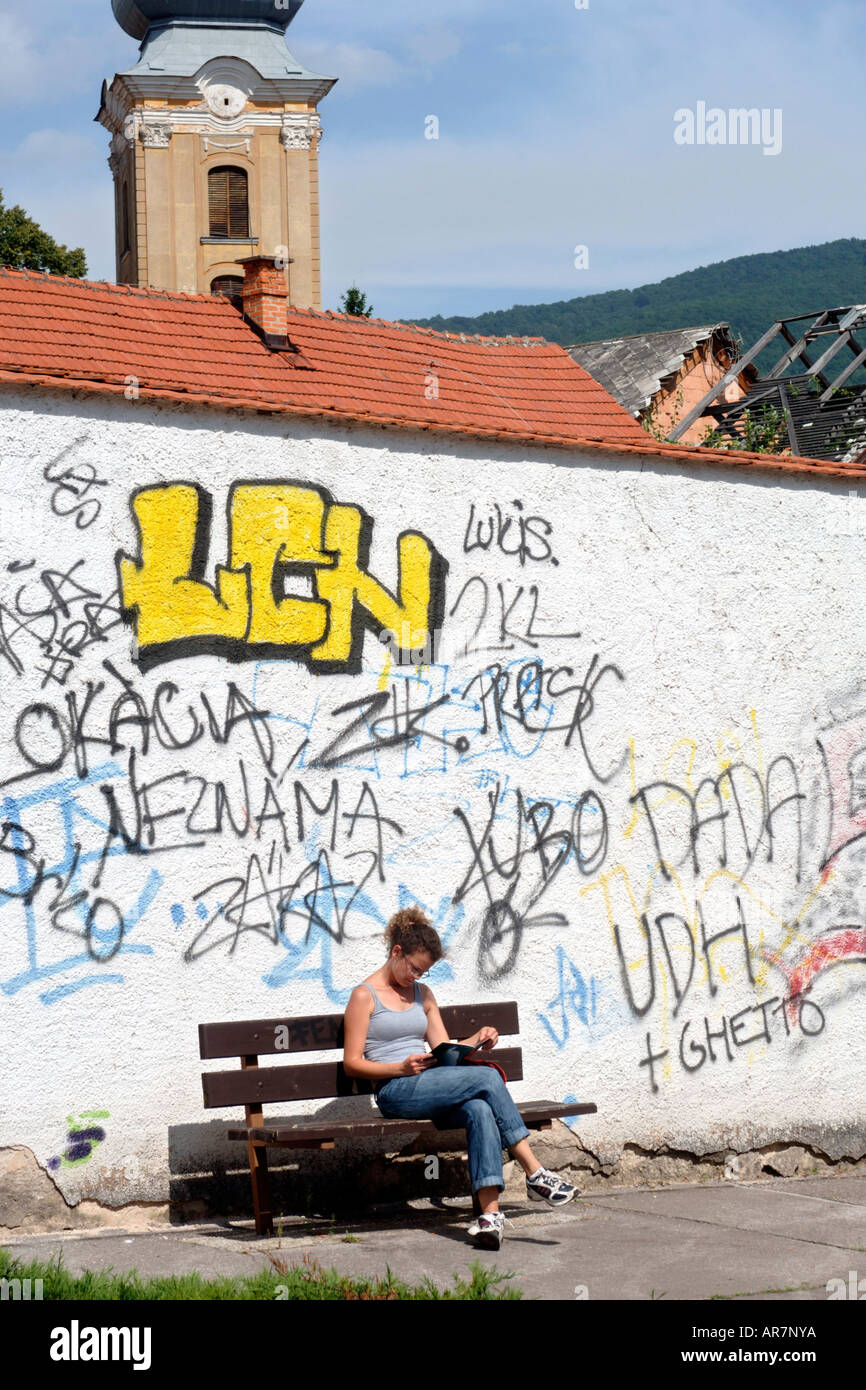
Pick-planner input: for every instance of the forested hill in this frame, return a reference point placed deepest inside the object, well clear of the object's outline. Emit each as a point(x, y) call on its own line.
point(749, 293)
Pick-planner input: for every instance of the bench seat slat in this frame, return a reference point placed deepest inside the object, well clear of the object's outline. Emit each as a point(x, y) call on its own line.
point(322, 1032)
point(296, 1135)
point(314, 1081)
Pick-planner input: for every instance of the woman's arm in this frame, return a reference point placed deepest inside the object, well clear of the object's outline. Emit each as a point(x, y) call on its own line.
point(356, 1022)
point(437, 1032)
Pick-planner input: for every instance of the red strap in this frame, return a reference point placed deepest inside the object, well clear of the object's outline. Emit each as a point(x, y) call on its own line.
point(479, 1062)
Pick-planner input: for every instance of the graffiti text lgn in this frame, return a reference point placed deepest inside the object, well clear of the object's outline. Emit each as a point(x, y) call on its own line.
point(296, 584)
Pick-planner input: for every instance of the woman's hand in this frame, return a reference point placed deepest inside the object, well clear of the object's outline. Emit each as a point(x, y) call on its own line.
point(486, 1038)
point(415, 1064)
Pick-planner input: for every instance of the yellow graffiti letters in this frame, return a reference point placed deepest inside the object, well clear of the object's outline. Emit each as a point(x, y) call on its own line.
point(296, 583)
point(279, 526)
point(171, 603)
point(348, 588)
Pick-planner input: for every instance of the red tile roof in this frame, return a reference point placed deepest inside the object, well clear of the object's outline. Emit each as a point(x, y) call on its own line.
point(199, 345)
point(83, 335)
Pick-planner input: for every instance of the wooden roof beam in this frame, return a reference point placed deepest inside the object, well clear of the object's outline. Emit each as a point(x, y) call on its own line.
point(844, 340)
point(797, 349)
point(722, 385)
point(843, 376)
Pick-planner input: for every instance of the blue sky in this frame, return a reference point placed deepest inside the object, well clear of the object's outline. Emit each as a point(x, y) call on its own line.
point(556, 130)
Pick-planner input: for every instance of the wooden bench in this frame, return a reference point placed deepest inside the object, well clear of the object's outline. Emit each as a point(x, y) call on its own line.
point(255, 1086)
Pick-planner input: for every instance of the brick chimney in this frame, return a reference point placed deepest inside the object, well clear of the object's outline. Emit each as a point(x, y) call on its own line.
point(266, 299)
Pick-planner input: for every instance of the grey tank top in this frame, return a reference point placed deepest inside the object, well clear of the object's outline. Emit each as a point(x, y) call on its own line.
point(395, 1034)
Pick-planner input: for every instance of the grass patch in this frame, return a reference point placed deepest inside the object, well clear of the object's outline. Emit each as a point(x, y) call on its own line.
point(283, 1283)
point(789, 1288)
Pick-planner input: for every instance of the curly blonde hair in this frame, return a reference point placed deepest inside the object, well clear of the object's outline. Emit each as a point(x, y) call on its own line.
point(412, 930)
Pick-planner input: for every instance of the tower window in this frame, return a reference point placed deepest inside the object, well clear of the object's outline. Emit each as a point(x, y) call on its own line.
point(230, 287)
point(228, 197)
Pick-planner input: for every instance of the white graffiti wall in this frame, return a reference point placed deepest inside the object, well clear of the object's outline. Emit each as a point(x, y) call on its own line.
point(265, 681)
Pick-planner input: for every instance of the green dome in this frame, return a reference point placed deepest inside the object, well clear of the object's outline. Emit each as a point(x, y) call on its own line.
point(137, 16)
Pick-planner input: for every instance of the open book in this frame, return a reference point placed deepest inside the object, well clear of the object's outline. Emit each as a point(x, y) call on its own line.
point(449, 1054)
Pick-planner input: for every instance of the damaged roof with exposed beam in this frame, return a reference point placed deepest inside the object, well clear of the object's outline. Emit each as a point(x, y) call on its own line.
point(814, 396)
point(635, 368)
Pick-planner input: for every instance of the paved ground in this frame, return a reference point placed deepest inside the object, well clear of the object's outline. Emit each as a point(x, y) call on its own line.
point(746, 1241)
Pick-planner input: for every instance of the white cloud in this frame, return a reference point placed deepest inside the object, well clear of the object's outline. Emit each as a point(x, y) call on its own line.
point(360, 66)
point(55, 147)
point(355, 65)
point(434, 46)
point(19, 61)
point(394, 17)
point(51, 57)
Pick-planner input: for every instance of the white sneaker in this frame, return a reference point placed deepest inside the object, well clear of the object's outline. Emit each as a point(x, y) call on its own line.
point(490, 1230)
point(550, 1187)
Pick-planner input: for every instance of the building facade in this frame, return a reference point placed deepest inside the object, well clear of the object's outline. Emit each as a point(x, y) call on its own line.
point(214, 148)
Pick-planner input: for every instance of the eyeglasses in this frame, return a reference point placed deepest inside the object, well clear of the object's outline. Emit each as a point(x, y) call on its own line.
point(416, 973)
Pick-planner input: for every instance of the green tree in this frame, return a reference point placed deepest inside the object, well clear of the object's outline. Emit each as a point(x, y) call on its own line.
point(354, 302)
point(25, 246)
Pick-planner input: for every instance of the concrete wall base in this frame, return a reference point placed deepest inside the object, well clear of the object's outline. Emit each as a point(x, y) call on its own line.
point(30, 1202)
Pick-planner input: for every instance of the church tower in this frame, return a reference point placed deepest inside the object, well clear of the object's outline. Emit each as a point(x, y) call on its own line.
point(214, 147)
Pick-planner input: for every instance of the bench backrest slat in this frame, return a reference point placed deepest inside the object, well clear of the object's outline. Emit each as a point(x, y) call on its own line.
point(315, 1081)
point(324, 1032)
point(318, 1033)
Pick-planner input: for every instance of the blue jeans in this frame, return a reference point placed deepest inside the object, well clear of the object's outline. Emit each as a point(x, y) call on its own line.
point(472, 1098)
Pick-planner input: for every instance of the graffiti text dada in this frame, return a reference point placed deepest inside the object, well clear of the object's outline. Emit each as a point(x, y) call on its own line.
point(296, 583)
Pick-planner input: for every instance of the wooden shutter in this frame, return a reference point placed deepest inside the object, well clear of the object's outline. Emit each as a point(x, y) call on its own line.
point(229, 203)
point(239, 216)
